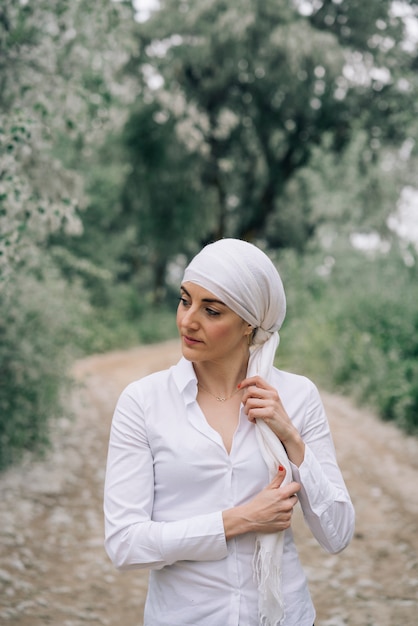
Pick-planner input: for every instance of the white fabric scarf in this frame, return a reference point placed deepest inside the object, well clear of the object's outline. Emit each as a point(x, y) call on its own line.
point(245, 279)
point(269, 547)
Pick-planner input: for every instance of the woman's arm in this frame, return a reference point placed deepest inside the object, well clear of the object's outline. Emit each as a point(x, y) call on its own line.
point(132, 538)
point(323, 496)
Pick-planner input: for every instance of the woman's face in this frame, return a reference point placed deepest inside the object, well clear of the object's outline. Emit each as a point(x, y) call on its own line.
point(210, 331)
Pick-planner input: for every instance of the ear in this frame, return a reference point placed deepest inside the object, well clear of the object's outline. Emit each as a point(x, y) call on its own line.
point(249, 333)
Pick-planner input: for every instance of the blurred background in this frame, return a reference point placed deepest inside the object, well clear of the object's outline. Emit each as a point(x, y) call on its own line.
point(133, 134)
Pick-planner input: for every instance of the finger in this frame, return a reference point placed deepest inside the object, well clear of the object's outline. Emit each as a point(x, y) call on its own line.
point(255, 397)
point(262, 409)
point(290, 490)
point(288, 504)
point(279, 478)
point(257, 381)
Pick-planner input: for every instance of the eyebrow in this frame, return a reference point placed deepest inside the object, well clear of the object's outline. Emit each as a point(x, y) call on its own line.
point(211, 300)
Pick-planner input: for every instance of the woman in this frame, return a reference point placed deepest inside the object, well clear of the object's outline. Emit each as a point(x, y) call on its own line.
point(208, 459)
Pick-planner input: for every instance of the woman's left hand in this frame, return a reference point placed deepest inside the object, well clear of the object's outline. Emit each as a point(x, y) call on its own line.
point(262, 401)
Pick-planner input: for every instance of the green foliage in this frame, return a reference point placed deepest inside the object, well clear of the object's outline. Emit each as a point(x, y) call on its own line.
point(257, 90)
point(353, 323)
point(57, 62)
point(162, 198)
point(59, 96)
point(291, 123)
point(128, 321)
point(32, 205)
point(41, 324)
point(334, 196)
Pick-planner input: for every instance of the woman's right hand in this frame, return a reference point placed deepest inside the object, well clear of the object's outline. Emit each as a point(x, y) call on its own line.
point(269, 512)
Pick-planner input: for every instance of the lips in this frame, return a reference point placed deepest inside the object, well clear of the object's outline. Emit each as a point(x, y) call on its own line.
point(190, 341)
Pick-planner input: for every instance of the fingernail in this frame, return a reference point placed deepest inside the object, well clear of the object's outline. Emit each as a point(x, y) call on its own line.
point(280, 468)
point(239, 385)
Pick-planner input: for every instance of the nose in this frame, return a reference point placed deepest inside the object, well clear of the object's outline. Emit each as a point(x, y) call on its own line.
point(189, 318)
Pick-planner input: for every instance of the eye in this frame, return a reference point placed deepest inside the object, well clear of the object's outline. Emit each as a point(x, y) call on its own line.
point(183, 301)
point(212, 312)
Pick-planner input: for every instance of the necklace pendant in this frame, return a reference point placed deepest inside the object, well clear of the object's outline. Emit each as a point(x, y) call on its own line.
point(218, 398)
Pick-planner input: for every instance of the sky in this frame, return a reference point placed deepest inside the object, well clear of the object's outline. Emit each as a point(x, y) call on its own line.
point(143, 9)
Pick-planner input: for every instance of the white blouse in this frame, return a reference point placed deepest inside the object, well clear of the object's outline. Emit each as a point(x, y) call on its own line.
point(168, 480)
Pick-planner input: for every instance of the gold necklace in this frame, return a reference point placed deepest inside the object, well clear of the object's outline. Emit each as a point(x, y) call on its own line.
point(218, 398)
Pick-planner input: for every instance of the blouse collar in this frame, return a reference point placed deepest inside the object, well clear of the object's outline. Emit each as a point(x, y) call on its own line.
point(185, 379)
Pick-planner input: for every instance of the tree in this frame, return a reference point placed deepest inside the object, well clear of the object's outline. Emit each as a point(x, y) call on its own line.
point(162, 196)
point(262, 85)
point(58, 70)
point(59, 96)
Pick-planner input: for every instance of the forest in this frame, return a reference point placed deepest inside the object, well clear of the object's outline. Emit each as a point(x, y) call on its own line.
point(131, 135)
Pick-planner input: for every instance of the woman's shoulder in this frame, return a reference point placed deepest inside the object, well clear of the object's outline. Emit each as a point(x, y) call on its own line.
point(297, 379)
point(160, 381)
point(300, 396)
point(293, 382)
point(155, 380)
point(139, 395)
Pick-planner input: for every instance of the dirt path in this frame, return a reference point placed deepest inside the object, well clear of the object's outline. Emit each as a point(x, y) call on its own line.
point(53, 569)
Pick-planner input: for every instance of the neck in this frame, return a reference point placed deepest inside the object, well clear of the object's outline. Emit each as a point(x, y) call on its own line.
point(221, 379)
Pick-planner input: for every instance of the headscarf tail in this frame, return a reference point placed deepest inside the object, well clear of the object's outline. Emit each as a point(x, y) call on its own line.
point(269, 547)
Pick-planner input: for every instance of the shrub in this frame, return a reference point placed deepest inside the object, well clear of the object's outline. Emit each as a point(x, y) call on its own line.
point(40, 326)
point(127, 319)
point(356, 330)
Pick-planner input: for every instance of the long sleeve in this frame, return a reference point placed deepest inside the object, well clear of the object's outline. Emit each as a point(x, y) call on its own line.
point(132, 537)
point(324, 498)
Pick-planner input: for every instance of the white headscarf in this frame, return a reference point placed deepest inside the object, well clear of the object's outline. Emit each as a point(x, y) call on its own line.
point(245, 279)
